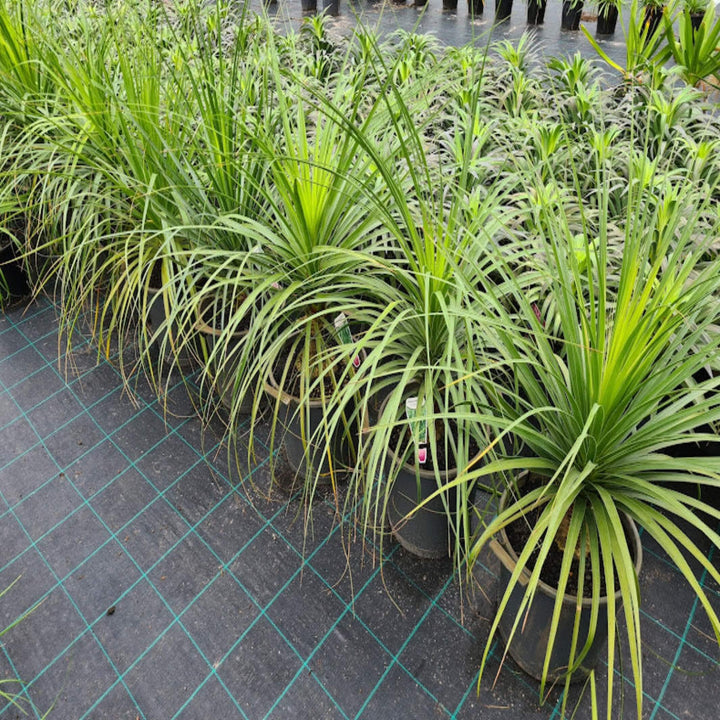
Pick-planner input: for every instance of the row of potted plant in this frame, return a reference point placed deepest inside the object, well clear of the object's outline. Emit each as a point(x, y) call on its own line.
point(426, 272)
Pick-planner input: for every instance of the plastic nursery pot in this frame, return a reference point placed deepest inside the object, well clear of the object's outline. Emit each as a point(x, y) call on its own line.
point(536, 12)
point(166, 338)
point(571, 14)
point(529, 644)
point(450, 4)
point(13, 283)
point(652, 15)
point(308, 6)
point(607, 20)
point(224, 378)
point(297, 436)
point(331, 7)
point(696, 20)
point(476, 7)
point(503, 10)
point(425, 533)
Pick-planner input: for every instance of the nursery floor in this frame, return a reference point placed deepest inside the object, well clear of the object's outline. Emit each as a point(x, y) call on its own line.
point(457, 27)
point(164, 587)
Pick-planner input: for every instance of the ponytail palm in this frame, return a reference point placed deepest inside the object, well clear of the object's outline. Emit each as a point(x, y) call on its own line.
point(440, 236)
point(600, 416)
point(311, 255)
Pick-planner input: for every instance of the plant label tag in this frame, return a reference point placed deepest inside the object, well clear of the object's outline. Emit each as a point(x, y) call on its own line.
point(258, 250)
point(536, 310)
point(342, 328)
point(419, 427)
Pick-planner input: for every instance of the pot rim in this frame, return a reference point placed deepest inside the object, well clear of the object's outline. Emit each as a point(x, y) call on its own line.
point(508, 553)
point(203, 327)
point(272, 387)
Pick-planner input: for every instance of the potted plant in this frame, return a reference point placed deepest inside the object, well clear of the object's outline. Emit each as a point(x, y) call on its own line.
point(419, 349)
point(571, 14)
point(652, 16)
point(607, 17)
point(696, 9)
point(596, 419)
point(536, 12)
point(476, 7)
point(503, 11)
point(694, 50)
point(645, 51)
point(309, 261)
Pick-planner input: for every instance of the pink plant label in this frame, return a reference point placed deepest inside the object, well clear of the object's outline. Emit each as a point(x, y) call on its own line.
point(344, 335)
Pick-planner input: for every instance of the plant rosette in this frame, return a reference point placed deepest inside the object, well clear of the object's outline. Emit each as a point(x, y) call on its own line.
point(528, 643)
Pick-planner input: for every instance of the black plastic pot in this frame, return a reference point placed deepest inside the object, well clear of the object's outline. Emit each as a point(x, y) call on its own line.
point(224, 378)
point(607, 20)
point(696, 20)
point(308, 6)
point(536, 12)
point(165, 341)
point(425, 533)
point(652, 15)
point(476, 7)
point(503, 10)
point(331, 7)
point(13, 284)
point(529, 644)
point(571, 14)
point(450, 4)
point(298, 440)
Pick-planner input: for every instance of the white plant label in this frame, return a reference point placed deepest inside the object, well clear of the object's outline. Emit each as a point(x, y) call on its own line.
point(257, 250)
point(344, 335)
point(419, 428)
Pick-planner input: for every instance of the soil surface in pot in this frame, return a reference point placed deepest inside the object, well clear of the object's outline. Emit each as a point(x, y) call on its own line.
point(518, 534)
point(437, 457)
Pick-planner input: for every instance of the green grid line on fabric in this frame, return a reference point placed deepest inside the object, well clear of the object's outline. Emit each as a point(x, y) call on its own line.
point(684, 641)
point(23, 691)
point(89, 627)
point(688, 625)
